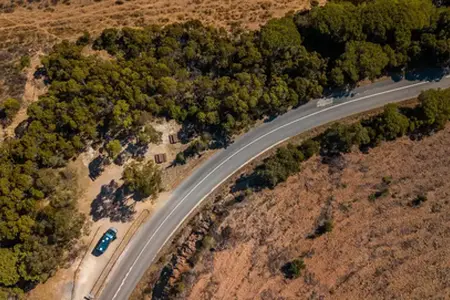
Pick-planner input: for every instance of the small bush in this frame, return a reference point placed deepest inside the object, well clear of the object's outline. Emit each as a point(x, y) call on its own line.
point(293, 269)
point(310, 148)
point(84, 39)
point(180, 159)
point(419, 200)
point(379, 194)
point(25, 62)
point(387, 180)
point(326, 226)
point(208, 242)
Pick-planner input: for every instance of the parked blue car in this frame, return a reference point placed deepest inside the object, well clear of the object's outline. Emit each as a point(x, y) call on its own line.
point(103, 244)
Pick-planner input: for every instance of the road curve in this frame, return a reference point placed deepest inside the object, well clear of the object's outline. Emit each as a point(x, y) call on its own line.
point(152, 236)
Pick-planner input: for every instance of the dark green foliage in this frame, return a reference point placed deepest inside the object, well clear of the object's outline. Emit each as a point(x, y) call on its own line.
point(8, 110)
point(9, 274)
point(149, 135)
point(340, 138)
point(419, 200)
point(388, 126)
point(434, 108)
point(35, 236)
point(144, 179)
point(310, 147)
point(196, 148)
point(84, 40)
point(25, 62)
point(279, 167)
point(324, 227)
point(113, 148)
point(279, 36)
point(380, 34)
point(293, 269)
point(360, 60)
point(180, 159)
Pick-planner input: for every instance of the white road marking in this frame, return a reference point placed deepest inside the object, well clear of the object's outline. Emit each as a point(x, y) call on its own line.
point(230, 157)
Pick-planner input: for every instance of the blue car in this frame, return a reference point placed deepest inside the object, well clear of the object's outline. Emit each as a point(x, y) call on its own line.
point(103, 244)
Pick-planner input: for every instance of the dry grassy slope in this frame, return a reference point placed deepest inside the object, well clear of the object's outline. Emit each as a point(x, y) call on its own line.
point(382, 249)
point(67, 20)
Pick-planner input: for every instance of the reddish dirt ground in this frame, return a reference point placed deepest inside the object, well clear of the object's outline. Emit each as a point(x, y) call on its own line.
point(384, 248)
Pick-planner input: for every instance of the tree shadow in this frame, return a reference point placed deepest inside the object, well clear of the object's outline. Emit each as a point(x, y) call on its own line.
point(422, 74)
point(112, 203)
point(248, 181)
point(97, 166)
point(160, 290)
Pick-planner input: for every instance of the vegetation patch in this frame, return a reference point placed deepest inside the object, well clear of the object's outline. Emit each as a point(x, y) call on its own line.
point(293, 269)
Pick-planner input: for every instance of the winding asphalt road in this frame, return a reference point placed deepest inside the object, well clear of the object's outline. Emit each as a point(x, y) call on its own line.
point(152, 236)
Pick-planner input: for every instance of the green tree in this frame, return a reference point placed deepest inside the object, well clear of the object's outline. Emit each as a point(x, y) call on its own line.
point(9, 109)
point(113, 148)
point(391, 124)
point(143, 178)
point(310, 147)
point(340, 138)
point(362, 60)
point(149, 135)
point(84, 39)
point(278, 36)
point(8, 267)
point(435, 108)
point(279, 167)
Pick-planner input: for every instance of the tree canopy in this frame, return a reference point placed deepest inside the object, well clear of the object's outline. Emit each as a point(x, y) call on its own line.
point(143, 178)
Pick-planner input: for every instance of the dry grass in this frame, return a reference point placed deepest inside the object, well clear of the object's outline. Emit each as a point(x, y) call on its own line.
point(387, 248)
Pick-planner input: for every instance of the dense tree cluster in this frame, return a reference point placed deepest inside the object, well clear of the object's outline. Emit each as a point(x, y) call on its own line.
point(430, 115)
point(209, 81)
point(365, 41)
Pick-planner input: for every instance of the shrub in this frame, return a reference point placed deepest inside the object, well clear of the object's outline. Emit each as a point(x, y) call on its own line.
point(387, 180)
point(25, 62)
point(310, 148)
point(180, 159)
point(293, 269)
point(84, 39)
point(8, 110)
point(419, 200)
point(325, 227)
point(113, 148)
point(279, 167)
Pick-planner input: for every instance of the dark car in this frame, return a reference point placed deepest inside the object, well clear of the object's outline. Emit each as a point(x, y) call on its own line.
point(103, 244)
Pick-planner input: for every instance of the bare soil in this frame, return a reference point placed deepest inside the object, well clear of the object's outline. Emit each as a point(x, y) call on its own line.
point(386, 247)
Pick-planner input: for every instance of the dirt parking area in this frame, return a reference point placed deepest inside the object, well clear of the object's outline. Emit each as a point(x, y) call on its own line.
point(390, 237)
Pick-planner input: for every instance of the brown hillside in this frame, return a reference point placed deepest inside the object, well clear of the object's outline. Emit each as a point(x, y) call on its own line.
point(390, 247)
